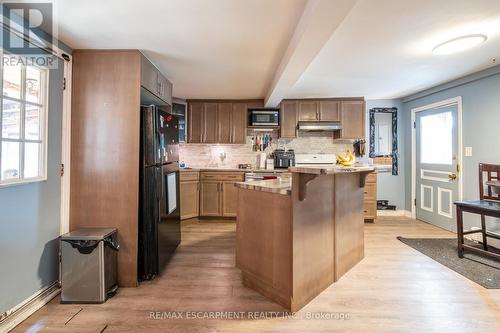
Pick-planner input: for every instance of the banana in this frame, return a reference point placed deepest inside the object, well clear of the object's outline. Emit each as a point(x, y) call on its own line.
point(347, 160)
point(351, 156)
point(341, 158)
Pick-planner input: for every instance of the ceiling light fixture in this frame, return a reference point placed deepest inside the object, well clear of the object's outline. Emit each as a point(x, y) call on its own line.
point(459, 44)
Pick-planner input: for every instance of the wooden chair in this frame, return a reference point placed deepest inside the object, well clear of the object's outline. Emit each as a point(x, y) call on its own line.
point(487, 205)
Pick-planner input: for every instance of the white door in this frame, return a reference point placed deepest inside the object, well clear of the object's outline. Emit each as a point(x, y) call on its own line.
point(437, 165)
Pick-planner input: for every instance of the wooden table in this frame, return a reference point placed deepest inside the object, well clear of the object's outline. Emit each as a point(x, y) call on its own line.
point(481, 207)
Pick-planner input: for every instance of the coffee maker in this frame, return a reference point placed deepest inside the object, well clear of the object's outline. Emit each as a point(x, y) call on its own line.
point(283, 159)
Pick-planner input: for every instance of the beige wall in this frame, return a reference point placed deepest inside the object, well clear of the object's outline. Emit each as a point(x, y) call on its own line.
point(208, 155)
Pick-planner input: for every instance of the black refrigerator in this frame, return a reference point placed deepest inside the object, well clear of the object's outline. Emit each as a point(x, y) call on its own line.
point(159, 207)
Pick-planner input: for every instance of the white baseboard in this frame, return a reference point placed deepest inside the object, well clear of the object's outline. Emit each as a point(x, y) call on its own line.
point(394, 213)
point(19, 313)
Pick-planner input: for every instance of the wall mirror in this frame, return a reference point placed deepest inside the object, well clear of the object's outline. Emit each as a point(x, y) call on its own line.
point(384, 137)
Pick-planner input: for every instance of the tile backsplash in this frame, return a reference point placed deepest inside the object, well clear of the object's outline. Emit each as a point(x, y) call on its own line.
point(229, 156)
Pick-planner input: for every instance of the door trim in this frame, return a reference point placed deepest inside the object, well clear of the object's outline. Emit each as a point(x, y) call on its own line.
point(66, 147)
point(452, 101)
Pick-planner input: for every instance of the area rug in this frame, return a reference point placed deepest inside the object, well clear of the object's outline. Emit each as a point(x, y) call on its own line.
point(476, 267)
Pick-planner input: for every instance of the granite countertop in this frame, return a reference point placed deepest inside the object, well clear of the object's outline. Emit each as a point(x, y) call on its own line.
point(271, 185)
point(327, 170)
point(225, 169)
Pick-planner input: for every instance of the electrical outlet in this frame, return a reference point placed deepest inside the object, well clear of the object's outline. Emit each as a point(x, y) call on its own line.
point(468, 151)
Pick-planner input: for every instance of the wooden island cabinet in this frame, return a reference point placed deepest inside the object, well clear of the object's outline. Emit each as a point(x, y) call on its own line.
point(304, 236)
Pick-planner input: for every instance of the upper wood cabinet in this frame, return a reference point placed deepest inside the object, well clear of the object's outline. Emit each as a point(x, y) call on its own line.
point(149, 75)
point(210, 122)
point(224, 128)
point(154, 81)
point(194, 122)
point(349, 111)
point(239, 123)
point(219, 121)
point(353, 119)
point(288, 118)
point(164, 89)
point(308, 111)
point(329, 110)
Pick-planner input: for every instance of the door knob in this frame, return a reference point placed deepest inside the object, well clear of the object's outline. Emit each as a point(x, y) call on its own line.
point(452, 176)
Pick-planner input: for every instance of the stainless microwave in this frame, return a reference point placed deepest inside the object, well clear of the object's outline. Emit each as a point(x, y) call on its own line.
point(262, 117)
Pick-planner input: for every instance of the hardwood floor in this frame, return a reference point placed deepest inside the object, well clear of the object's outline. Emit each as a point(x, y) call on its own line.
point(393, 289)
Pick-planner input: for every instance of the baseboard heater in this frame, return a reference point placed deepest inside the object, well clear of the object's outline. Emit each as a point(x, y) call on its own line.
point(13, 317)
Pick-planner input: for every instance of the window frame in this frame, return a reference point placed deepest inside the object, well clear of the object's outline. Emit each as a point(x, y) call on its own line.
point(44, 110)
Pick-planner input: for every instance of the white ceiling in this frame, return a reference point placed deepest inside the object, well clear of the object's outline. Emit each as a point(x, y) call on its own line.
point(245, 48)
point(207, 48)
point(383, 48)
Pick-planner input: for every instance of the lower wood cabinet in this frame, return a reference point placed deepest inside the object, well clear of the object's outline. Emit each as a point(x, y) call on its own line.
point(218, 196)
point(370, 203)
point(190, 194)
point(209, 193)
point(229, 199)
point(210, 199)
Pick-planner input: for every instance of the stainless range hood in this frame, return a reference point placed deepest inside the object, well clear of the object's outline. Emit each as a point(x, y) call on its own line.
point(319, 125)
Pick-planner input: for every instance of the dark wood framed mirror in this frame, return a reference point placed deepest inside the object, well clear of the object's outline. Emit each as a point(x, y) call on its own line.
point(384, 137)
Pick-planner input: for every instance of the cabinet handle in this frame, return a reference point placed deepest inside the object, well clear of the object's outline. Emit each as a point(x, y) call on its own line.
point(221, 187)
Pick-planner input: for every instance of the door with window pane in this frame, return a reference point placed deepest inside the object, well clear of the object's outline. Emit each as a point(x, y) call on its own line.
point(437, 165)
point(22, 122)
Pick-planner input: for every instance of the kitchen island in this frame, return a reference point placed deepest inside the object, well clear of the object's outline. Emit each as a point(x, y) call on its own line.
point(295, 238)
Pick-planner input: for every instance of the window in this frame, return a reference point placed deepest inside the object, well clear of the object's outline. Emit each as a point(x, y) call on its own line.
point(436, 138)
point(23, 117)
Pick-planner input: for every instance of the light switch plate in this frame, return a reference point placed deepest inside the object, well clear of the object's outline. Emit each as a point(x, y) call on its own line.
point(468, 151)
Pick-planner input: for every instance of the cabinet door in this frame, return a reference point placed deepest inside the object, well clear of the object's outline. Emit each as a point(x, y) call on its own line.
point(149, 76)
point(190, 199)
point(229, 199)
point(288, 121)
point(329, 111)
point(165, 89)
point(224, 116)
point(209, 198)
point(210, 123)
point(195, 122)
point(353, 119)
point(308, 110)
point(239, 123)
